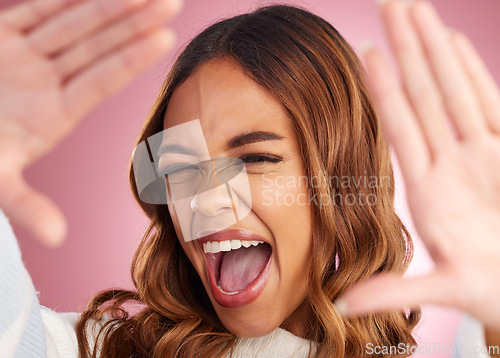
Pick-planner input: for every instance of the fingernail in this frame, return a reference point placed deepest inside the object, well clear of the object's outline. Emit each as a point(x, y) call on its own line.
point(179, 5)
point(365, 46)
point(166, 37)
point(54, 234)
point(341, 307)
point(407, 3)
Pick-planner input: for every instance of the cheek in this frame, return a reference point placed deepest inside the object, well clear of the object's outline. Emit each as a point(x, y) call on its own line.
point(181, 215)
point(282, 202)
point(173, 216)
point(285, 200)
point(180, 231)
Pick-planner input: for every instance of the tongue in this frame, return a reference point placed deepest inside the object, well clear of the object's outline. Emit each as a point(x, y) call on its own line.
point(241, 267)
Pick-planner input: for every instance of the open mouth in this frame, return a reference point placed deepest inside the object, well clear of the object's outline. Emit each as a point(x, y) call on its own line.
point(238, 269)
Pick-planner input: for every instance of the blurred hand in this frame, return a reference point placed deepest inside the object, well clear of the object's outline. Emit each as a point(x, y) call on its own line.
point(443, 121)
point(59, 59)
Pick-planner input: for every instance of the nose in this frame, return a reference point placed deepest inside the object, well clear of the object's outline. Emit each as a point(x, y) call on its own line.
point(215, 201)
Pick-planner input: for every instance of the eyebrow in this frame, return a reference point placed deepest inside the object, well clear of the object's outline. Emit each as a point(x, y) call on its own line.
point(174, 148)
point(252, 137)
point(235, 142)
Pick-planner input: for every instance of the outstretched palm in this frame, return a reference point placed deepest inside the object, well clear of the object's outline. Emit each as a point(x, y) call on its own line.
point(59, 60)
point(444, 124)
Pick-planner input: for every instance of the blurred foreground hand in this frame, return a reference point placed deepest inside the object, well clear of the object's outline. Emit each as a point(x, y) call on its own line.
point(59, 59)
point(443, 120)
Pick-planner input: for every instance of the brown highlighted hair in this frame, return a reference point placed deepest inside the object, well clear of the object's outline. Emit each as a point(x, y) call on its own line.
point(307, 65)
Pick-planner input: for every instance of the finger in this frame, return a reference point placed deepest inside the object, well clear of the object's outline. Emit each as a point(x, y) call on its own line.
point(33, 211)
point(400, 125)
point(486, 89)
point(114, 72)
point(417, 78)
point(78, 22)
point(115, 35)
point(391, 292)
point(31, 12)
point(456, 89)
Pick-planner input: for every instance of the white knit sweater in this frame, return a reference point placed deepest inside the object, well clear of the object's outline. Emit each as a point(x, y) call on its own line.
point(28, 329)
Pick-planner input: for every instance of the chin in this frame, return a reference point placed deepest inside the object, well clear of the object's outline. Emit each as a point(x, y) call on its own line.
point(252, 321)
point(250, 330)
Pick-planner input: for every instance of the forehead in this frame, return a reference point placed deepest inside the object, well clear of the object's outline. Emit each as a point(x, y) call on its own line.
point(226, 101)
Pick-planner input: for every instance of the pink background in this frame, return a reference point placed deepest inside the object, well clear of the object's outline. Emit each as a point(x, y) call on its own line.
point(87, 174)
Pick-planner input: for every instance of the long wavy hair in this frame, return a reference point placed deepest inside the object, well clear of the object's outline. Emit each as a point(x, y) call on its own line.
point(306, 64)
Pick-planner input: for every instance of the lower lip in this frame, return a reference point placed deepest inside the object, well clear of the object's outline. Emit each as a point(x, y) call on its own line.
point(244, 297)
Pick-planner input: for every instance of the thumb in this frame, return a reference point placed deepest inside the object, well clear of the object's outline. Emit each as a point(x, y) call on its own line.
point(31, 210)
point(386, 292)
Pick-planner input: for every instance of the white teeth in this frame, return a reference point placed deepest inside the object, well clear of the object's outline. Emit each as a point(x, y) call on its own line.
point(227, 293)
point(227, 245)
point(207, 246)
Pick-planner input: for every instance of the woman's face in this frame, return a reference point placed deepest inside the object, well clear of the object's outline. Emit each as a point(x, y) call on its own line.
point(253, 289)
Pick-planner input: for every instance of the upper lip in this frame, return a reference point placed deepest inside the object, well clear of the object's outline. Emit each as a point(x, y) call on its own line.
point(231, 234)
